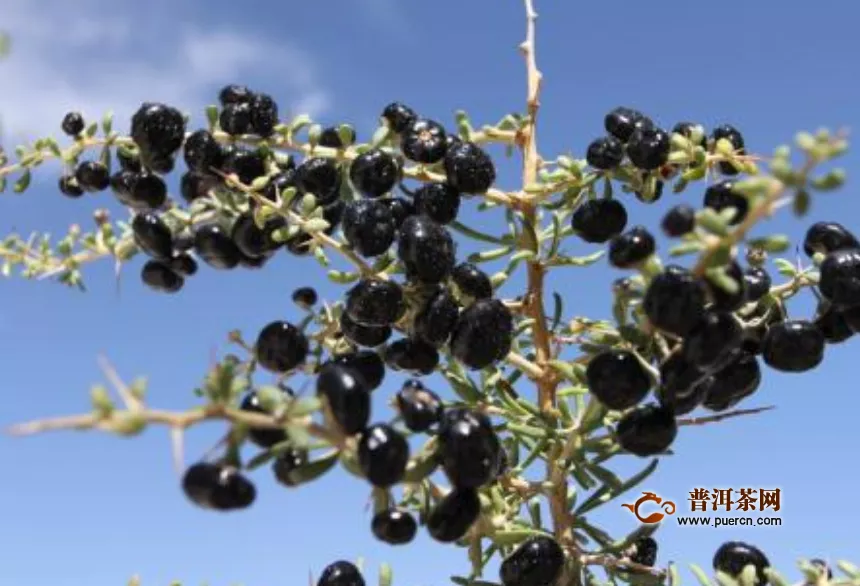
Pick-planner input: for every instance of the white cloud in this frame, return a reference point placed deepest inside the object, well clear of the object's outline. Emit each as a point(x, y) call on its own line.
point(86, 55)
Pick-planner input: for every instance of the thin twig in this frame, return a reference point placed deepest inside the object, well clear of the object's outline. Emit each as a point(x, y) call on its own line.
point(721, 416)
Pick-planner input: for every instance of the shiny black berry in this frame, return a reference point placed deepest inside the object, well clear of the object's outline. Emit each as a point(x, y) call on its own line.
point(679, 220)
point(367, 364)
point(469, 168)
point(320, 176)
point(645, 551)
point(305, 297)
point(341, 573)
point(394, 526)
point(158, 131)
point(347, 396)
point(214, 246)
point(264, 115)
point(757, 283)
point(330, 137)
point(622, 121)
point(217, 487)
point(202, 152)
point(184, 264)
point(647, 430)
point(148, 190)
point(423, 141)
point(839, 280)
point(675, 300)
point(483, 334)
point(685, 129)
point(374, 173)
point(419, 407)
point(438, 201)
point(683, 386)
point(733, 557)
point(426, 249)
point(92, 176)
point(723, 299)
point(399, 116)
point(262, 437)
point(631, 248)
point(281, 347)
point(73, 124)
point(152, 236)
point(734, 136)
point(195, 184)
point(234, 94)
point(411, 355)
point(251, 240)
point(454, 515)
point(471, 281)
point(716, 336)
point(832, 323)
point(437, 319)
point(735, 381)
point(128, 161)
point(400, 209)
point(648, 148)
point(361, 335)
point(793, 346)
point(368, 227)
point(162, 165)
point(720, 196)
point(235, 119)
point(617, 379)
point(538, 561)
point(598, 220)
point(605, 153)
point(246, 164)
point(827, 237)
point(69, 187)
point(374, 302)
point(159, 276)
point(469, 448)
point(383, 453)
point(287, 466)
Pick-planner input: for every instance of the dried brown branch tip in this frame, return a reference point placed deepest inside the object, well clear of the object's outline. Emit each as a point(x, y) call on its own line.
point(538, 402)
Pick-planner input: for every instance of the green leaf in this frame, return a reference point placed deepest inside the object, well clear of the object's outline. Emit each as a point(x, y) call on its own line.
point(557, 309)
point(686, 248)
point(720, 277)
point(514, 536)
point(593, 416)
point(385, 576)
point(725, 580)
point(701, 576)
point(423, 464)
point(303, 406)
point(475, 234)
point(801, 203)
point(107, 123)
point(573, 261)
point(674, 575)
point(315, 225)
point(775, 244)
point(489, 255)
point(342, 277)
point(23, 182)
point(608, 492)
point(785, 267)
point(711, 221)
point(212, 115)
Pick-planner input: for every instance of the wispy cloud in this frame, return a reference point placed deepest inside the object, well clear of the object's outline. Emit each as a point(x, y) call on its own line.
point(91, 56)
point(388, 16)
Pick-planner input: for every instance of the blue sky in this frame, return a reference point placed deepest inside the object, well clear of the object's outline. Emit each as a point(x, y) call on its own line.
point(84, 509)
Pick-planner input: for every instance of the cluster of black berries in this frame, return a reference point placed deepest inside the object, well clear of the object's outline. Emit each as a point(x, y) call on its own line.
point(713, 360)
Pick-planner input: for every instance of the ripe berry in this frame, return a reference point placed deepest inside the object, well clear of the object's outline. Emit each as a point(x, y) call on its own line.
point(347, 395)
point(793, 346)
point(68, 186)
point(683, 387)
point(394, 526)
point(341, 573)
point(234, 94)
point(648, 148)
point(650, 198)
point(839, 280)
point(398, 116)
point(305, 297)
point(279, 183)
point(646, 551)
point(674, 301)
point(469, 448)
point(426, 249)
point(246, 164)
point(757, 283)
point(617, 379)
point(753, 335)
point(415, 356)
point(202, 152)
point(538, 561)
point(647, 430)
point(195, 184)
point(374, 173)
point(631, 248)
point(214, 247)
point(454, 515)
point(720, 196)
point(367, 364)
point(320, 176)
point(383, 453)
point(361, 335)
point(678, 221)
point(716, 336)
point(73, 124)
point(235, 119)
point(281, 347)
point(262, 437)
point(251, 240)
point(598, 220)
point(152, 236)
point(158, 131)
point(400, 209)
point(160, 277)
point(264, 115)
point(722, 299)
point(734, 136)
point(733, 556)
point(472, 281)
point(605, 153)
point(686, 129)
point(92, 176)
point(438, 201)
point(452, 140)
point(163, 165)
point(183, 264)
point(833, 325)
point(368, 227)
point(128, 161)
point(374, 302)
point(213, 486)
point(148, 190)
point(735, 381)
point(330, 138)
point(483, 334)
point(469, 168)
point(621, 122)
point(423, 141)
point(419, 407)
point(437, 319)
point(287, 464)
point(827, 237)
